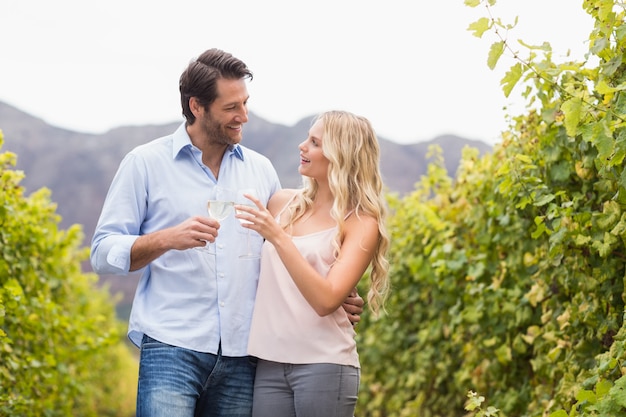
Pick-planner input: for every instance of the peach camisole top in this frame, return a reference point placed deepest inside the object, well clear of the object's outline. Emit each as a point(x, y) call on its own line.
point(285, 328)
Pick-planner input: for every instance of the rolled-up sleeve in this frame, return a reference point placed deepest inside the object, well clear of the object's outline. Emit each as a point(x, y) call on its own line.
point(119, 223)
point(111, 255)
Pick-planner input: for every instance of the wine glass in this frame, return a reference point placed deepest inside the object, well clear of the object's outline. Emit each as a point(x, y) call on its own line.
point(218, 210)
point(244, 201)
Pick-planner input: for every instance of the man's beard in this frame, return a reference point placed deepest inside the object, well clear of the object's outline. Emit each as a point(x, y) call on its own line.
point(216, 132)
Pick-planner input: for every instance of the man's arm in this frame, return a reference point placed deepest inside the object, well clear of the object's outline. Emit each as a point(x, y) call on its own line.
point(192, 233)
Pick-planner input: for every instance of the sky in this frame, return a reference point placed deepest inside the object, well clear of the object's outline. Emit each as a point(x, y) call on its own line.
point(412, 68)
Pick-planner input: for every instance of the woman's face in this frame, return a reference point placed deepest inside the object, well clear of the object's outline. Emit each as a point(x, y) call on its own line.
point(313, 163)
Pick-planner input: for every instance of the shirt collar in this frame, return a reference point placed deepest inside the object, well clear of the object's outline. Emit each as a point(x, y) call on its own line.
point(236, 149)
point(182, 140)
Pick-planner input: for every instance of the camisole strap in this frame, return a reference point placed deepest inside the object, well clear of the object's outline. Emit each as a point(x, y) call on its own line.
point(280, 213)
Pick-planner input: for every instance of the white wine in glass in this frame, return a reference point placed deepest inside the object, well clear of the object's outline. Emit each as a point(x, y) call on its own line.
point(218, 210)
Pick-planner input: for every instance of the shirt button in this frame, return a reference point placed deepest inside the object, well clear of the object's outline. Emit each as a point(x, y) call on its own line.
point(222, 304)
point(221, 274)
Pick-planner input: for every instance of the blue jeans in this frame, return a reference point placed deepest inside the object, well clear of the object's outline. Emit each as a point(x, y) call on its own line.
point(177, 382)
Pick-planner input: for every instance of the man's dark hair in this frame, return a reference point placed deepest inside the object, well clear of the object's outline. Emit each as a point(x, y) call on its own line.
point(199, 80)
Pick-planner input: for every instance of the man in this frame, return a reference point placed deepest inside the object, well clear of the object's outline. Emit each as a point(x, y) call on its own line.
point(192, 310)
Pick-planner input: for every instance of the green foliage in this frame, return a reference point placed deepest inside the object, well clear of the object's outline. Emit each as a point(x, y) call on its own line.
point(475, 404)
point(508, 280)
point(58, 332)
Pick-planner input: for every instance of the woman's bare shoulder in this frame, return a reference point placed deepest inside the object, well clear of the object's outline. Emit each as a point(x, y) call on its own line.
point(362, 223)
point(280, 198)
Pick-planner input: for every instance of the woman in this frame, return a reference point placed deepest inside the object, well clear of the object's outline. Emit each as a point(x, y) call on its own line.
point(320, 241)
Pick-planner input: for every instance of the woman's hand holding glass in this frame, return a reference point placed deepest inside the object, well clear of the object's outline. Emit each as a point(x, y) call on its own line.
point(254, 216)
point(243, 201)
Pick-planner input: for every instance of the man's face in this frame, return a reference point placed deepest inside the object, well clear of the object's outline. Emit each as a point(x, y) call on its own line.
point(228, 113)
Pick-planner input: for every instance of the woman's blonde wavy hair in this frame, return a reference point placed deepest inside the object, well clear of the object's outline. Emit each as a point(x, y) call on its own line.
point(351, 147)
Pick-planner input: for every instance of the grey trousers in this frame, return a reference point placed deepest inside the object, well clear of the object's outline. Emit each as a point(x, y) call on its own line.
point(312, 390)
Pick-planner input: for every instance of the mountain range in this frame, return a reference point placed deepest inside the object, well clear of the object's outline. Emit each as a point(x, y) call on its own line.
point(78, 167)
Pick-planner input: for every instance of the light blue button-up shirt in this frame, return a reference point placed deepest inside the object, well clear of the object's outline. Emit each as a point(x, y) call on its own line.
point(188, 298)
